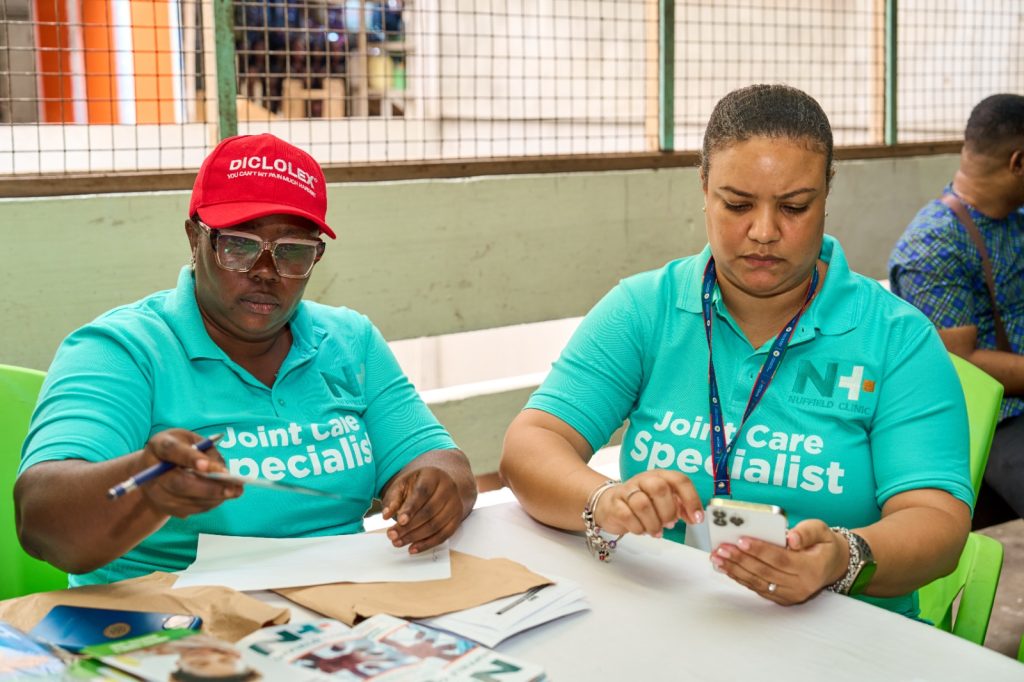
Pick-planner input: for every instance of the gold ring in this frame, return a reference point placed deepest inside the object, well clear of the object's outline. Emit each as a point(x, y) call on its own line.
point(772, 587)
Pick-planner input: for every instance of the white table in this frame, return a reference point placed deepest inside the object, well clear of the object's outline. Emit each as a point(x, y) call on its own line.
point(661, 613)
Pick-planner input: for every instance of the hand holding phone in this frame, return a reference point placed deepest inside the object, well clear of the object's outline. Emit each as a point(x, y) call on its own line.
point(729, 520)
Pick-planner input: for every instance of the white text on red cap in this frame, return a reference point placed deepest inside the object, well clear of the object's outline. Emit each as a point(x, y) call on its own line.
point(265, 164)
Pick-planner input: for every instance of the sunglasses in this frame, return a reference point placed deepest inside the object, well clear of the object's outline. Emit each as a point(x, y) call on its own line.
point(239, 251)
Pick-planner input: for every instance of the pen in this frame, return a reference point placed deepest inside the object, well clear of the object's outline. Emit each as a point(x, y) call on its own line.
point(524, 597)
point(158, 469)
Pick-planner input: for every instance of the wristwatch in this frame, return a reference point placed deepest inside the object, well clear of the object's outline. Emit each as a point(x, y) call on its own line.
point(861, 567)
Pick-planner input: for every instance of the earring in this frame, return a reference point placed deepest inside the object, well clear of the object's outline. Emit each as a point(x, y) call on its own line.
point(192, 264)
point(704, 208)
point(826, 214)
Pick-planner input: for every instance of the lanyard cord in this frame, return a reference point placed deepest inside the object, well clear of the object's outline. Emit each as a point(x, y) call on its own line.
point(720, 452)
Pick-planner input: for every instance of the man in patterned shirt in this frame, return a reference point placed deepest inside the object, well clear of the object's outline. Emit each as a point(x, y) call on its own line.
point(937, 267)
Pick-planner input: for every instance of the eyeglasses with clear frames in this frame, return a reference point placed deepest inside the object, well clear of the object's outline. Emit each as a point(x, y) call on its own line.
point(238, 251)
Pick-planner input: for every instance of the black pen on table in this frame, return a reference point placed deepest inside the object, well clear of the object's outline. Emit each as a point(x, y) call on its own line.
point(158, 469)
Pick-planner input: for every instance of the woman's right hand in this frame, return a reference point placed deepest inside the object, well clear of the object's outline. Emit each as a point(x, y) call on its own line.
point(648, 503)
point(179, 492)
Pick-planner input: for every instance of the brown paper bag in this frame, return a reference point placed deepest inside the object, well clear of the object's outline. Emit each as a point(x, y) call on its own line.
point(474, 581)
point(227, 614)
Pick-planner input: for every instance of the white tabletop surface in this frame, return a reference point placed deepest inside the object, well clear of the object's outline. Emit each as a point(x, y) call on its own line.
point(659, 612)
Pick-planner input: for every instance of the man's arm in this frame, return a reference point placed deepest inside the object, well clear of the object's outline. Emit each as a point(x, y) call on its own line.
point(1007, 367)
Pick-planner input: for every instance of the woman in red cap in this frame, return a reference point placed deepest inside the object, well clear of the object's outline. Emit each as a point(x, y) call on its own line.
point(299, 393)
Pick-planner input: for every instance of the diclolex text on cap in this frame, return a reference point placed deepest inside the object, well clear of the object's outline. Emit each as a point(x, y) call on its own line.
point(252, 176)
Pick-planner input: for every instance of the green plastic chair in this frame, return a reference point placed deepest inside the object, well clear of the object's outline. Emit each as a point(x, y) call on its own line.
point(21, 574)
point(974, 581)
point(984, 396)
point(977, 575)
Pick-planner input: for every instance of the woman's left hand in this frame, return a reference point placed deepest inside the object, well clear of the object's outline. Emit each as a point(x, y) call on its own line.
point(426, 506)
point(814, 558)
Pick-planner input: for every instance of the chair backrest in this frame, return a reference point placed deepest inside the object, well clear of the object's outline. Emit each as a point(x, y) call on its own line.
point(983, 395)
point(974, 580)
point(21, 574)
point(977, 575)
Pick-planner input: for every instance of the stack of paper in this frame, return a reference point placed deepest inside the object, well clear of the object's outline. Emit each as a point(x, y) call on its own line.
point(248, 563)
point(495, 621)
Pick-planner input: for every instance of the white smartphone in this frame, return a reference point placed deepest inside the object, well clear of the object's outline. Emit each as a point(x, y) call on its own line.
point(729, 520)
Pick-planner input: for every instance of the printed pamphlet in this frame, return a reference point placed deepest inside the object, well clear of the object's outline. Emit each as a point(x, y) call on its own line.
point(21, 657)
point(187, 656)
point(386, 649)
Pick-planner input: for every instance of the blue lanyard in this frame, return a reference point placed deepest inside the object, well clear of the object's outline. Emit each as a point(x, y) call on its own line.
point(720, 453)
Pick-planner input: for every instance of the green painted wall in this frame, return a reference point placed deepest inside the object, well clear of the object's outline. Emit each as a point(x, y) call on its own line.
point(422, 257)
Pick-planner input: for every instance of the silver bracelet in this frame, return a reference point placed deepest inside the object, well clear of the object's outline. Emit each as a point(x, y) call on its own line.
point(600, 546)
point(842, 586)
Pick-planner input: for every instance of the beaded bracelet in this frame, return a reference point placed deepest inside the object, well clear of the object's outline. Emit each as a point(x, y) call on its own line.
point(599, 546)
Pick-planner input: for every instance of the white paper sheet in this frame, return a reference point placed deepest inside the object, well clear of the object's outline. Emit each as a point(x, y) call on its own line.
point(498, 620)
point(245, 563)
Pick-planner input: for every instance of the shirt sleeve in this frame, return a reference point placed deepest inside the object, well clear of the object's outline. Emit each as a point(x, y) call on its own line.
point(400, 424)
point(919, 437)
point(94, 405)
point(595, 383)
point(929, 269)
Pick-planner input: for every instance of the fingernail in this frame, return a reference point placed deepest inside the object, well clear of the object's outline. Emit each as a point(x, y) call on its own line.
point(722, 551)
point(716, 561)
point(743, 543)
point(698, 516)
point(414, 551)
point(403, 519)
point(658, 535)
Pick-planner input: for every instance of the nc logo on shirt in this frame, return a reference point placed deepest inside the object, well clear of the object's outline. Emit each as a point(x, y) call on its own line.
point(826, 385)
point(344, 387)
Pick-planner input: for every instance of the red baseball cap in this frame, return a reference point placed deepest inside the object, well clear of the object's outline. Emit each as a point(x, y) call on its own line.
point(251, 176)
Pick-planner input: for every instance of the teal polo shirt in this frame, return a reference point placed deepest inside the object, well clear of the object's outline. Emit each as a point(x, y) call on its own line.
point(341, 417)
point(865, 405)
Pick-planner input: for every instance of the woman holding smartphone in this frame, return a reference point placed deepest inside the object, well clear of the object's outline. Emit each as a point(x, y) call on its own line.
point(761, 370)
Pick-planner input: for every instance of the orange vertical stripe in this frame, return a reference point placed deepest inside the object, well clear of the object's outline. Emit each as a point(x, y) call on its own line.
point(100, 64)
point(54, 61)
point(154, 78)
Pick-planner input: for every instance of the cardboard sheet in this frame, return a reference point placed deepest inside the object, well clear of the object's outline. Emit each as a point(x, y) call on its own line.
point(474, 581)
point(226, 613)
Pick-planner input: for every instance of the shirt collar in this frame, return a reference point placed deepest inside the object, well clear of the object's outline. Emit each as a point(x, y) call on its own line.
point(187, 323)
point(980, 219)
point(835, 310)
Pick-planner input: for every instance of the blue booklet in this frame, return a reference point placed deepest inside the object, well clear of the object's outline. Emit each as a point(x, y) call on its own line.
point(22, 657)
point(75, 627)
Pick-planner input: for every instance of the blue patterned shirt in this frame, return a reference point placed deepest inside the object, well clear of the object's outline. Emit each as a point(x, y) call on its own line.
point(936, 266)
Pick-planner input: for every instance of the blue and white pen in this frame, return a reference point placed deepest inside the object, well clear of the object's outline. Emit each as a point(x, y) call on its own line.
point(156, 470)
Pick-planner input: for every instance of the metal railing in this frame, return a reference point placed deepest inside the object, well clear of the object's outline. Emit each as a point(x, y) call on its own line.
point(102, 87)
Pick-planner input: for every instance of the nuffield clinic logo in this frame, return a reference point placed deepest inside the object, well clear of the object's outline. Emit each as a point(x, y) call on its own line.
point(822, 385)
